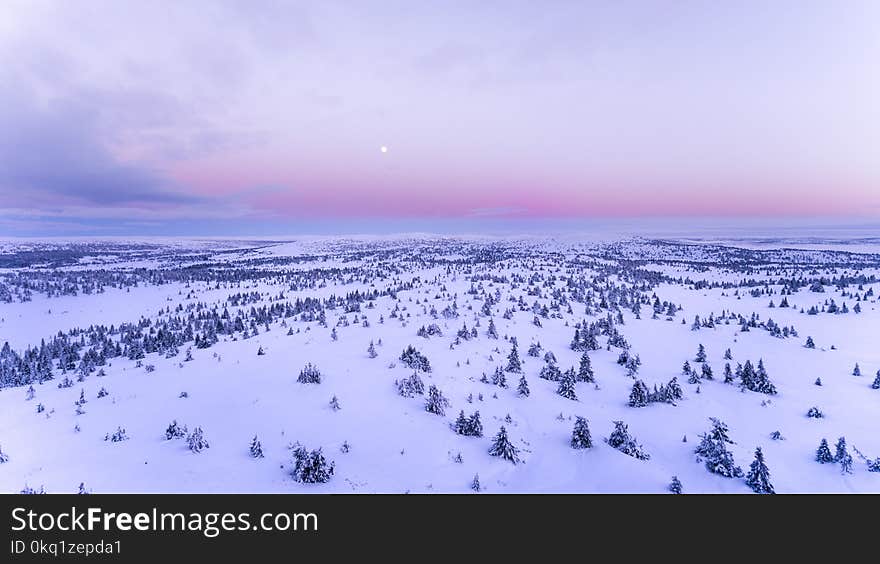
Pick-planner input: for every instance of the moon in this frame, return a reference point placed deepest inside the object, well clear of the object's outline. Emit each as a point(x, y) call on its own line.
point(383, 148)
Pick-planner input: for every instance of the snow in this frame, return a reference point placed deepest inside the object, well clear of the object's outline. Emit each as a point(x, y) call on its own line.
point(396, 446)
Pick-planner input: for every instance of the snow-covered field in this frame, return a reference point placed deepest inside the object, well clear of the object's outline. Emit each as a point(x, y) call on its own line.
point(172, 332)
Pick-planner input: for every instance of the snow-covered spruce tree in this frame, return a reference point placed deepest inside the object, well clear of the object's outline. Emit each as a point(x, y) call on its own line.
point(701, 354)
point(840, 449)
point(876, 384)
point(468, 426)
point(756, 380)
point(535, 350)
point(260, 351)
point(514, 364)
point(371, 350)
point(693, 377)
point(846, 463)
point(713, 451)
point(3, 457)
point(502, 447)
point(550, 372)
point(475, 426)
point(175, 431)
point(585, 369)
point(435, 402)
point(675, 486)
point(758, 477)
point(415, 360)
point(810, 344)
point(638, 397)
point(580, 436)
point(823, 453)
point(117, 436)
point(311, 467)
point(728, 374)
point(309, 375)
point(672, 391)
point(706, 372)
point(475, 483)
point(498, 378)
point(196, 441)
point(632, 365)
point(842, 457)
point(566, 386)
point(410, 387)
point(491, 332)
point(622, 441)
point(522, 389)
point(256, 448)
point(82, 489)
point(334, 403)
point(856, 370)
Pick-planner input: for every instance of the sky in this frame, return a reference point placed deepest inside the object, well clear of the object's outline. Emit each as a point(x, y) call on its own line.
point(240, 117)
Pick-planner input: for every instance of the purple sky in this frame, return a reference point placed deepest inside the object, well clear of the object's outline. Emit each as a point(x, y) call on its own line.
point(227, 116)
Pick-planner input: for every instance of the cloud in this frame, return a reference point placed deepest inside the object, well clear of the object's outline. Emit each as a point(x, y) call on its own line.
point(55, 152)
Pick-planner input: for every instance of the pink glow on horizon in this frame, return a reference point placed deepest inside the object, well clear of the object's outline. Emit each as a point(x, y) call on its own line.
point(284, 192)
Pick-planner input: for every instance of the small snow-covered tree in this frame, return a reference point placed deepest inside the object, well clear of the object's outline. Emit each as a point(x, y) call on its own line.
point(840, 449)
point(514, 364)
point(675, 486)
point(436, 403)
point(175, 431)
point(522, 389)
point(621, 440)
point(503, 448)
point(585, 369)
point(823, 453)
point(758, 477)
point(311, 467)
point(468, 426)
point(842, 457)
point(638, 397)
point(117, 436)
point(580, 436)
point(491, 332)
point(499, 378)
point(410, 387)
point(309, 375)
point(713, 451)
point(196, 441)
point(256, 448)
point(566, 386)
point(475, 483)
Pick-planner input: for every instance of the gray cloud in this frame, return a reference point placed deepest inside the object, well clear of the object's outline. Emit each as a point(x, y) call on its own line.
point(52, 151)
